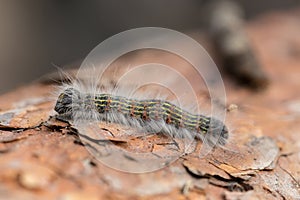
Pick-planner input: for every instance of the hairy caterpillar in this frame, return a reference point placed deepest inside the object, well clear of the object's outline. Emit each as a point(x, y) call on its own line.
point(151, 115)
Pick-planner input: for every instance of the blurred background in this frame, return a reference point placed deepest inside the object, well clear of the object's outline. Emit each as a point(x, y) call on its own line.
point(37, 35)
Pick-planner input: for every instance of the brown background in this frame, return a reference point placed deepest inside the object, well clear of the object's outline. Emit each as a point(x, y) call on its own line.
point(36, 35)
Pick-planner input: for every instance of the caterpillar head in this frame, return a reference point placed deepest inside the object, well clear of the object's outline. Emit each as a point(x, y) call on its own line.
point(71, 104)
point(65, 102)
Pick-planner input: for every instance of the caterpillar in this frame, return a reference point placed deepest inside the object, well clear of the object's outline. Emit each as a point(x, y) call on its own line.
point(151, 115)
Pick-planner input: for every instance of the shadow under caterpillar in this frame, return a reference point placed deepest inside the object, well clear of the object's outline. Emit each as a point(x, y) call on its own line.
point(151, 116)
